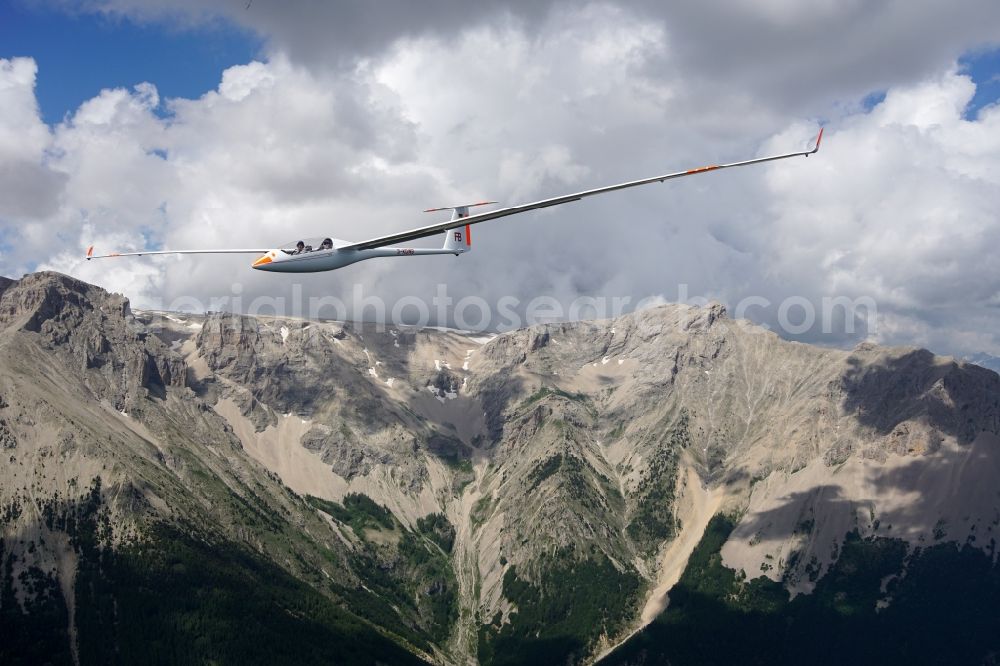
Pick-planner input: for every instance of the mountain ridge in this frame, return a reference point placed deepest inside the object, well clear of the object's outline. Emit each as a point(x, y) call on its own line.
point(528, 498)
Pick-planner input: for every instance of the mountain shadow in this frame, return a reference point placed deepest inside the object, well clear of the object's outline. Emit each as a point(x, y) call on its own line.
point(910, 499)
point(944, 610)
point(958, 399)
point(171, 597)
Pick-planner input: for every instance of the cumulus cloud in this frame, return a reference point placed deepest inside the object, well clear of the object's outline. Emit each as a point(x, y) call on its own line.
point(902, 208)
point(783, 52)
point(27, 187)
point(799, 53)
point(273, 153)
point(898, 206)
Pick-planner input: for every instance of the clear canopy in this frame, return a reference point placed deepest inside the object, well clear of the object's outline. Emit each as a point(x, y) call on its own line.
point(308, 245)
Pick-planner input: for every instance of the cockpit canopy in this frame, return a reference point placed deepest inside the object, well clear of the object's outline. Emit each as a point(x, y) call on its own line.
point(308, 245)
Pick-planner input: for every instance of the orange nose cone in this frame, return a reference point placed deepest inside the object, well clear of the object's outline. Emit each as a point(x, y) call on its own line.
point(266, 259)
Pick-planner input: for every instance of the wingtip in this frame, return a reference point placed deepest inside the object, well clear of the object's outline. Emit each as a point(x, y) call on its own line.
point(90, 252)
point(819, 138)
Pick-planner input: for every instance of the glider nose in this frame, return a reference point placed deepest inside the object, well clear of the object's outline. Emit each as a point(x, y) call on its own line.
point(262, 262)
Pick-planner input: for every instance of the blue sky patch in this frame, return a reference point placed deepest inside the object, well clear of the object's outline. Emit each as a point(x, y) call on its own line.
point(79, 55)
point(984, 68)
point(872, 100)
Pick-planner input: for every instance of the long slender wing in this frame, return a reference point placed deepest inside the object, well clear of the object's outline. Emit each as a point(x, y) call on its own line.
point(91, 255)
point(430, 230)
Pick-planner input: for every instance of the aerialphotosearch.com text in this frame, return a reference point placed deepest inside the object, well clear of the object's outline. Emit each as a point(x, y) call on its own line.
point(792, 315)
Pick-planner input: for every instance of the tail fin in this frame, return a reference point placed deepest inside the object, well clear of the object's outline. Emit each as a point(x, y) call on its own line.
point(458, 239)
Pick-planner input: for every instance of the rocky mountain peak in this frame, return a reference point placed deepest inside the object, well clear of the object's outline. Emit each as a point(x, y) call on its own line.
point(55, 301)
point(95, 331)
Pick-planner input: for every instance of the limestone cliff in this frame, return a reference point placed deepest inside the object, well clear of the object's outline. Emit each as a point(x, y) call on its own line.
point(527, 496)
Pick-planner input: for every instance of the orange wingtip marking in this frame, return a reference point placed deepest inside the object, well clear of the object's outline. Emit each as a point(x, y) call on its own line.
point(263, 260)
point(468, 235)
point(90, 251)
point(819, 137)
point(701, 169)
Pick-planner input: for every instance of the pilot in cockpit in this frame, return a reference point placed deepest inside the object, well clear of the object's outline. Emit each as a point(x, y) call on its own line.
point(327, 244)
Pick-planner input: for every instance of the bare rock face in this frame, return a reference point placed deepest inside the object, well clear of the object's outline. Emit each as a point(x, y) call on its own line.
point(232, 342)
point(110, 460)
point(482, 479)
point(606, 443)
point(350, 456)
point(7, 438)
point(608, 417)
point(289, 366)
point(885, 389)
point(94, 330)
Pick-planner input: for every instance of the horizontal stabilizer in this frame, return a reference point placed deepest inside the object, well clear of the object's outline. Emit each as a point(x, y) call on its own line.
point(469, 205)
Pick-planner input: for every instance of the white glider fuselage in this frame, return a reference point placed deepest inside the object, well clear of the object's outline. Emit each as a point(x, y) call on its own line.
point(279, 261)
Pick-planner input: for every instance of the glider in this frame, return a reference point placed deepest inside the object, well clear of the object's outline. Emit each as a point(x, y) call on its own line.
point(326, 254)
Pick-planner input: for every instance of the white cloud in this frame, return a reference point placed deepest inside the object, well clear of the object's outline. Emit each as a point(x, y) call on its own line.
point(785, 54)
point(22, 134)
point(897, 206)
point(27, 187)
point(902, 208)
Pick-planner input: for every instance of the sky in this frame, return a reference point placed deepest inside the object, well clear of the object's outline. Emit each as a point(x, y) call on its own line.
point(143, 124)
